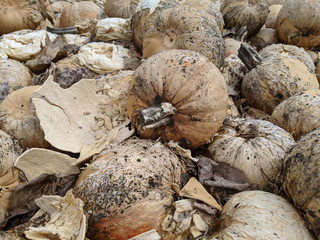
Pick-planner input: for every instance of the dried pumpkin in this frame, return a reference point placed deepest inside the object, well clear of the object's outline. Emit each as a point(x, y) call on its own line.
point(251, 14)
point(179, 27)
point(256, 147)
point(83, 15)
point(301, 178)
point(260, 215)
point(18, 118)
point(177, 95)
point(127, 188)
point(299, 114)
point(274, 79)
point(122, 8)
point(298, 23)
point(13, 75)
point(19, 14)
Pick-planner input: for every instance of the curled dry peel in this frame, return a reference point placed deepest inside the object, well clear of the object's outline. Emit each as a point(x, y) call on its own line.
point(109, 29)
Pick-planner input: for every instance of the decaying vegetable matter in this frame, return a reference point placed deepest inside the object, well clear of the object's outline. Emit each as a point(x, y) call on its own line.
point(177, 95)
point(180, 27)
point(257, 147)
point(298, 114)
point(301, 179)
point(159, 119)
point(298, 23)
point(126, 189)
point(260, 215)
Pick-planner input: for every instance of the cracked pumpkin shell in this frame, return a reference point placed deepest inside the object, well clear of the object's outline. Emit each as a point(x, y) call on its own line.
point(127, 188)
point(256, 147)
point(298, 23)
point(189, 93)
point(180, 27)
point(245, 13)
point(301, 178)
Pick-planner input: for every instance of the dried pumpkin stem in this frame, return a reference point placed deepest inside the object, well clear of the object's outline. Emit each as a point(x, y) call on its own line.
point(221, 182)
point(67, 30)
point(206, 208)
point(157, 115)
point(250, 57)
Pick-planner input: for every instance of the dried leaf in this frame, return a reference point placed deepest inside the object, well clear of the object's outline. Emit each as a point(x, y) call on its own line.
point(195, 190)
point(66, 115)
point(24, 195)
point(67, 219)
point(52, 51)
point(37, 161)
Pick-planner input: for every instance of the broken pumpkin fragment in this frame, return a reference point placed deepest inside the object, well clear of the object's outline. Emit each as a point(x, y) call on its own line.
point(67, 218)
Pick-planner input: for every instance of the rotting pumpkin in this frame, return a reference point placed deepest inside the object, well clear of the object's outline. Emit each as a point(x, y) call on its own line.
point(127, 188)
point(177, 95)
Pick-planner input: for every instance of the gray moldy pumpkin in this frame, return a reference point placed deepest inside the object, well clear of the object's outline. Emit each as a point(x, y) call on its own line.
point(298, 23)
point(301, 177)
point(256, 147)
point(274, 79)
point(177, 95)
point(251, 14)
point(180, 27)
point(299, 114)
point(127, 188)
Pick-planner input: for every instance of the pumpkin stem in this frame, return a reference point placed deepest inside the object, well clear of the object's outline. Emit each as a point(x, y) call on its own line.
point(250, 57)
point(156, 115)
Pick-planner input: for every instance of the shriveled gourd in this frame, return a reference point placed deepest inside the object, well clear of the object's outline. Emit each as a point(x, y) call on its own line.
point(274, 79)
point(299, 114)
point(180, 27)
point(177, 95)
point(257, 147)
point(251, 14)
point(298, 23)
point(127, 188)
point(301, 178)
point(261, 216)
point(122, 8)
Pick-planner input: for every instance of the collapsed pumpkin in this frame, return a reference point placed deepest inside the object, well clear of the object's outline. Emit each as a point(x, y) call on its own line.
point(177, 95)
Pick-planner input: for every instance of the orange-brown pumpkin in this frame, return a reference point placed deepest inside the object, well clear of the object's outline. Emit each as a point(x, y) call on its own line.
point(177, 95)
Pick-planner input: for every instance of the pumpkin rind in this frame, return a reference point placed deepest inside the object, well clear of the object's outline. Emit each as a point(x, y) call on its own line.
point(301, 177)
point(127, 188)
point(256, 147)
point(188, 81)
